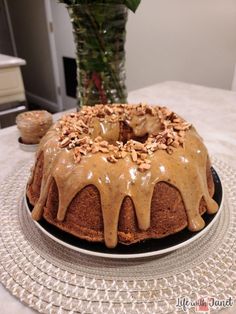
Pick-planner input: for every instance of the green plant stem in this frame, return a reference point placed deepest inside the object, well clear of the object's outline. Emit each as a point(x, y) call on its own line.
point(102, 52)
point(131, 4)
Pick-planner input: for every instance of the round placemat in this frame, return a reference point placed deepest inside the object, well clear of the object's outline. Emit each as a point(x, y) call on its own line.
point(53, 279)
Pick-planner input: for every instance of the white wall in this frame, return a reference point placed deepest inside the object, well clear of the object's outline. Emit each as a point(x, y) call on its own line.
point(187, 40)
point(234, 80)
point(64, 44)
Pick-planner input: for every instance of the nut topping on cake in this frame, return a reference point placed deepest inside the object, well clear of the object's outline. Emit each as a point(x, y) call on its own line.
point(75, 131)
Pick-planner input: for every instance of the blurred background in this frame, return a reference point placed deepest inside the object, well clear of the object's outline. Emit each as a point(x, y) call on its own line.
point(183, 40)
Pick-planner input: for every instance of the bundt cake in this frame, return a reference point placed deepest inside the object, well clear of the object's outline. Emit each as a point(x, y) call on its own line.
point(122, 173)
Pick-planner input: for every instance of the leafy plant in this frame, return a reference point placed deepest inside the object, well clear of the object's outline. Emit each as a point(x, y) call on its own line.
point(99, 33)
point(131, 4)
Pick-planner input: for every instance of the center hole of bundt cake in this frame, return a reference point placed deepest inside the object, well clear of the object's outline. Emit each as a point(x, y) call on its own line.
point(126, 134)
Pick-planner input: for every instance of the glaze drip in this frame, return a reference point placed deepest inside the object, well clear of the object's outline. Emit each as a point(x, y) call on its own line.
point(184, 169)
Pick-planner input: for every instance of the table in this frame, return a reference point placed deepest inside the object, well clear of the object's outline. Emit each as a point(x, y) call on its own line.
point(212, 111)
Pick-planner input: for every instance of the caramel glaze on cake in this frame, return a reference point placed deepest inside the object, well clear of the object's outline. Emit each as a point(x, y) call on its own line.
point(122, 173)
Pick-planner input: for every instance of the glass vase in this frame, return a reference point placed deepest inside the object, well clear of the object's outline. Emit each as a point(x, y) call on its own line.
point(99, 33)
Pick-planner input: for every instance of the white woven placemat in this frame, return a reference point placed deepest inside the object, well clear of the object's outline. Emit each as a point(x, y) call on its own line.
point(53, 279)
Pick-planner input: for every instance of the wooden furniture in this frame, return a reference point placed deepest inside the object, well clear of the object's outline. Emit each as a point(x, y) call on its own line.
point(12, 92)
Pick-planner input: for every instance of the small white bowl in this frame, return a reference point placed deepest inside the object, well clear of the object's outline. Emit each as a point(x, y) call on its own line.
point(27, 147)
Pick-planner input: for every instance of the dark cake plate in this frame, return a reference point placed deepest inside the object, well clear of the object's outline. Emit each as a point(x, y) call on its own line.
point(138, 250)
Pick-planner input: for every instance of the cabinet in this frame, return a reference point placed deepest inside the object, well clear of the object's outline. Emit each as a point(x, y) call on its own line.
point(12, 92)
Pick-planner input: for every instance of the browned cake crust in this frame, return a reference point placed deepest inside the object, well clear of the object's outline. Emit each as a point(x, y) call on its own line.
point(84, 215)
point(168, 214)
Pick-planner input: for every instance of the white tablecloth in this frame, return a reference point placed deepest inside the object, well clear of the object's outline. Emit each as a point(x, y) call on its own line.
point(212, 111)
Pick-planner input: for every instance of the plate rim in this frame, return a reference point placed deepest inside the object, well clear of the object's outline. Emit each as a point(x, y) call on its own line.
point(133, 255)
